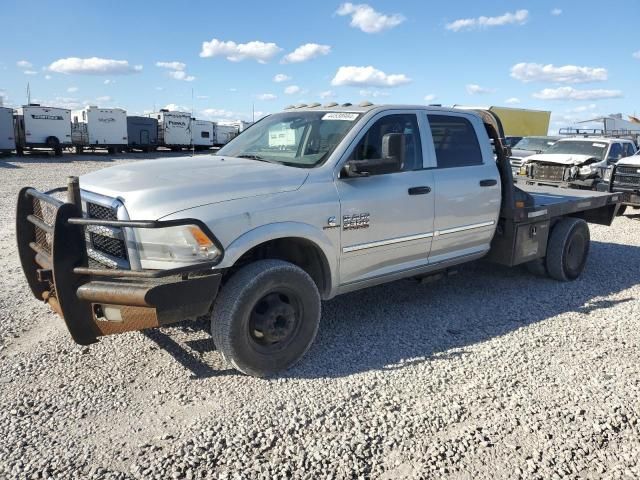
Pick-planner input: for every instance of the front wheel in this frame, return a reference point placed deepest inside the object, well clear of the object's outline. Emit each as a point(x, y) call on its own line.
point(266, 317)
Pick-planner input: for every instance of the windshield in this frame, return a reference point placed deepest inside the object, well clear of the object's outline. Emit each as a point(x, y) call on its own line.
point(298, 139)
point(593, 149)
point(537, 144)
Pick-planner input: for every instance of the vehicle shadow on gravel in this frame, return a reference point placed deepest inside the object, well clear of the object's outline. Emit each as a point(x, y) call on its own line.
point(407, 323)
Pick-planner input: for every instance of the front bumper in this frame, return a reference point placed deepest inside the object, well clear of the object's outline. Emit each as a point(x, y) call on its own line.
point(100, 301)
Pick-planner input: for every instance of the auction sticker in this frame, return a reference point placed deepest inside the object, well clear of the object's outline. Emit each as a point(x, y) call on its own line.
point(349, 117)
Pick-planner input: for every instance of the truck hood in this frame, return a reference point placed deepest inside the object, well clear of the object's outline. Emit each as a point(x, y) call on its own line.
point(560, 158)
point(152, 189)
point(520, 153)
point(633, 161)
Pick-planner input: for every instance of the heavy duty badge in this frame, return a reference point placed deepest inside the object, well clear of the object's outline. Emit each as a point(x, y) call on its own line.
point(355, 221)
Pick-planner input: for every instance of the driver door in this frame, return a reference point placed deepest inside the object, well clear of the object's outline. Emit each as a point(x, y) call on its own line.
point(387, 218)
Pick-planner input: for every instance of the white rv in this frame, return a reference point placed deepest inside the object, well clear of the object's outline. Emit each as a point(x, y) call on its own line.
point(94, 127)
point(224, 133)
point(174, 129)
point(42, 127)
point(202, 134)
point(7, 130)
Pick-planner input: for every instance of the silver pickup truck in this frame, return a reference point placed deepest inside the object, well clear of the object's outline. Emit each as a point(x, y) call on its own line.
point(304, 205)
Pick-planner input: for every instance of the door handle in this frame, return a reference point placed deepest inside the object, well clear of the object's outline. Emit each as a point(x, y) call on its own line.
point(489, 182)
point(419, 190)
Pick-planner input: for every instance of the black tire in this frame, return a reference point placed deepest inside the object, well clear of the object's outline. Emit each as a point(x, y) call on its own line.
point(266, 317)
point(79, 150)
point(621, 210)
point(111, 150)
point(568, 249)
point(57, 151)
point(20, 151)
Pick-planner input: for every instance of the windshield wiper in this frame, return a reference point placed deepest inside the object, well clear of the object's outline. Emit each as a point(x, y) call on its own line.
point(256, 157)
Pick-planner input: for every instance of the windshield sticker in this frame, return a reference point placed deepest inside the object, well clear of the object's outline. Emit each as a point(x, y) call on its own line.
point(349, 117)
point(601, 145)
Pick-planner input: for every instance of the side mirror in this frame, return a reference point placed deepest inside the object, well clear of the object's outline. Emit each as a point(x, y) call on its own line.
point(393, 154)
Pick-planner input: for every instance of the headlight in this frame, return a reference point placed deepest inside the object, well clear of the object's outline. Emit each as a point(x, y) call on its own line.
point(607, 174)
point(586, 170)
point(178, 246)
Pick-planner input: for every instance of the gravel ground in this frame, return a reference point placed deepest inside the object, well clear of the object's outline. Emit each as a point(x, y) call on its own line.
point(491, 373)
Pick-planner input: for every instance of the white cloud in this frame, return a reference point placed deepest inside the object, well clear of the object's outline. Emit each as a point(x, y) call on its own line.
point(556, 12)
point(218, 114)
point(281, 77)
point(429, 98)
point(65, 102)
point(172, 65)
point(327, 94)
point(103, 99)
point(367, 76)
point(570, 93)
point(72, 89)
point(266, 96)
point(292, 90)
point(512, 101)
point(109, 82)
point(202, 97)
point(367, 19)
point(24, 64)
point(233, 89)
point(94, 66)
point(159, 89)
point(373, 93)
point(583, 108)
point(173, 107)
point(236, 52)
point(473, 89)
point(180, 75)
point(519, 17)
point(30, 72)
point(306, 52)
point(636, 54)
point(47, 77)
point(536, 72)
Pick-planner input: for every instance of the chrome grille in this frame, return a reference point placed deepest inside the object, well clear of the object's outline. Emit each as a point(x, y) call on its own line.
point(626, 179)
point(100, 211)
point(628, 170)
point(553, 173)
point(106, 245)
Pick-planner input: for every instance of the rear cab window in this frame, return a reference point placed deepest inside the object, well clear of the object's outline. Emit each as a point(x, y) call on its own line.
point(455, 141)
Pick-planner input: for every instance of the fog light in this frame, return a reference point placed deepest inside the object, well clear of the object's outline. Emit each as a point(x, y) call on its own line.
point(109, 313)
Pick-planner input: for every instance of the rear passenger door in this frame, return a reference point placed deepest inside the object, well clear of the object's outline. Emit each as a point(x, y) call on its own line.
point(467, 186)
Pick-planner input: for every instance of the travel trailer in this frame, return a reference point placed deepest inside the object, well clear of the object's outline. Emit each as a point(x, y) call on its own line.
point(202, 134)
point(174, 129)
point(42, 127)
point(142, 133)
point(7, 130)
point(95, 127)
point(224, 133)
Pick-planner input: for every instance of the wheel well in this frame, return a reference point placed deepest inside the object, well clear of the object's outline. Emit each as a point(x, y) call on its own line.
point(299, 251)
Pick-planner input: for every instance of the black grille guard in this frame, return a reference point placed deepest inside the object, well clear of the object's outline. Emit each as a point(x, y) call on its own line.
point(53, 255)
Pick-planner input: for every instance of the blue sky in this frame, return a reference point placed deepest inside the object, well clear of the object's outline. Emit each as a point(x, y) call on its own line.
point(577, 58)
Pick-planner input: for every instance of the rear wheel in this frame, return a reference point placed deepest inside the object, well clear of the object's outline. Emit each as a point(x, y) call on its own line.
point(266, 317)
point(568, 249)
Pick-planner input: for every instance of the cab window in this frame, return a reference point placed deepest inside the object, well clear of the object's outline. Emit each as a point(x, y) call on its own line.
point(455, 141)
point(370, 146)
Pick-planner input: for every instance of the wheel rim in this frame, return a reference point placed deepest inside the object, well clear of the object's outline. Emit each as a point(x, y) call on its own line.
point(275, 320)
point(575, 253)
